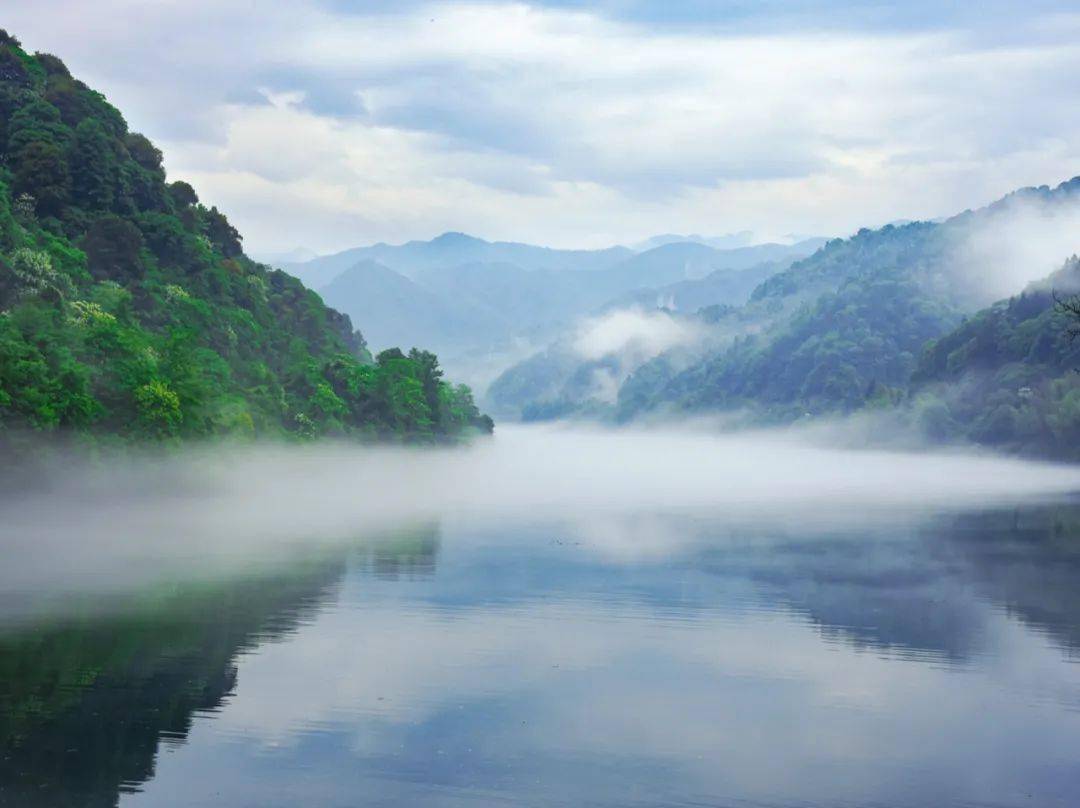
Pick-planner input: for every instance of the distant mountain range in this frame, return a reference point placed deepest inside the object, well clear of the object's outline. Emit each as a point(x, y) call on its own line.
point(872, 322)
point(743, 238)
point(449, 250)
point(482, 305)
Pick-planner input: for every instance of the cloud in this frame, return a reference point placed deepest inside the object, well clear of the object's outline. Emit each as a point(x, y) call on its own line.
point(137, 522)
point(1024, 239)
point(582, 124)
point(638, 335)
point(621, 341)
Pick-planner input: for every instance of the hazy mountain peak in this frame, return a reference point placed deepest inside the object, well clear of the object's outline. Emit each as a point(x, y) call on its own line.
point(743, 238)
point(456, 238)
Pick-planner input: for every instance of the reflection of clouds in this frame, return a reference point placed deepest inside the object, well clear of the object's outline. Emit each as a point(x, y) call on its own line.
point(749, 703)
point(141, 521)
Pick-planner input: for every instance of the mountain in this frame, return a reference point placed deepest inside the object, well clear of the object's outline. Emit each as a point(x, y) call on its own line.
point(721, 287)
point(660, 266)
point(483, 316)
point(398, 311)
point(1007, 377)
point(687, 276)
point(679, 261)
point(847, 325)
point(835, 332)
point(579, 375)
point(450, 250)
point(828, 356)
point(129, 309)
point(550, 381)
point(730, 241)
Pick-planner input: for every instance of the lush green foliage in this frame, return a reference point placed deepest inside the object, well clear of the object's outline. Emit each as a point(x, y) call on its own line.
point(847, 347)
point(1008, 376)
point(842, 329)
point(832, 332)
point(129, 308)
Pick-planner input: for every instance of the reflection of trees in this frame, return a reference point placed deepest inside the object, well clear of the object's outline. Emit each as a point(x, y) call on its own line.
point(1028, 562)
point(874, 590)
point(918, 594)
point(407, 554)
point(84, 704)
point(85, 701)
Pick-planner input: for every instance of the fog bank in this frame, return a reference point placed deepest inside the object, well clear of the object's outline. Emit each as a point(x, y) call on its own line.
point(1021, 240)
point(137, 520)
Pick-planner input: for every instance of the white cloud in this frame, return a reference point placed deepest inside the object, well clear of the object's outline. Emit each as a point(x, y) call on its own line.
point(1023, 241)
point(637, 334)
point(567, 127)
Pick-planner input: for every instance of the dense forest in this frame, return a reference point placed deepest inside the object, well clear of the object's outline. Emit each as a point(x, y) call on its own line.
point(845, 328)
point(811, 337)
point(898, 321)
point(129, 309)
point(1007, 377)
point(822, 335)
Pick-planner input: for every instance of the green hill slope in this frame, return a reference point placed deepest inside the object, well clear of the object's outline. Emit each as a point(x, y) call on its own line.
point(128, 308)
point(845, 327)
point(1008, 377)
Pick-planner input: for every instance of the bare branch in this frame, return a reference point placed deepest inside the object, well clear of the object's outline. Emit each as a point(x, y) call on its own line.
point(1071, 307)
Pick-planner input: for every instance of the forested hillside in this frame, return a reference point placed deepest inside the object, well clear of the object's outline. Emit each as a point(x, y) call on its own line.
point(485, 306)
point(1008, 377)
point(128, 308)
point(845, 327)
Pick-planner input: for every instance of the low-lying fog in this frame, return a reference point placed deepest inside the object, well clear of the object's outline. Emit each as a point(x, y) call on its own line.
point(98, 528)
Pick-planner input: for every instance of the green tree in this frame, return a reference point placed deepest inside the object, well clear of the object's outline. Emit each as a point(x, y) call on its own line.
point(112, 246)
point(40, 169)
point(128, 308)
point(93, 173)
point(158, 409)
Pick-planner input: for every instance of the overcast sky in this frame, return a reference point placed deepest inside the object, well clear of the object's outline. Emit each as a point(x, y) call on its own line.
point(333, 123)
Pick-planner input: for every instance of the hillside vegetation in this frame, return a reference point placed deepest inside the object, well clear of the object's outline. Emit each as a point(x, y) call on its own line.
point(844, 328)
point(128, 308)
point(1008, 377)
point(484, 306)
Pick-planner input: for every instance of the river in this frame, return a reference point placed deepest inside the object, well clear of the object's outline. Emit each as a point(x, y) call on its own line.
point(581, 643)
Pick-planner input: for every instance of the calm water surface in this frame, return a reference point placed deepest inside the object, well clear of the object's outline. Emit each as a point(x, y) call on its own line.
point(927, 662)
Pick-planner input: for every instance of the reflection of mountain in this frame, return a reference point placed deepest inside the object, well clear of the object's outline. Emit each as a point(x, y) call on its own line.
point(84, 705)
point(925, 594)
point(84, 702)
point(1028, 563)
point(901, 594)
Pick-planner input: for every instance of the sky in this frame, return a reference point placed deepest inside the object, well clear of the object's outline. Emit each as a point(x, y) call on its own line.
point(328, 124)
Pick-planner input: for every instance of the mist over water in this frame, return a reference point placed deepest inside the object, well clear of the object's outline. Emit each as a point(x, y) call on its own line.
point(141, 519)
point(560, 615)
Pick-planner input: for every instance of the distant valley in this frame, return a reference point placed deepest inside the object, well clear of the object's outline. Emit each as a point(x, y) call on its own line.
point(482, 306)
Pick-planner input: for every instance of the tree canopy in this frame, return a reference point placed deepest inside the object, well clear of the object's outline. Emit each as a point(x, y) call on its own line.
point(128, 308)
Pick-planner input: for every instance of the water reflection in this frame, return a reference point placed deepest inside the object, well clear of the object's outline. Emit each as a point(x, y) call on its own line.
point(653, 660)
point(84, 703)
